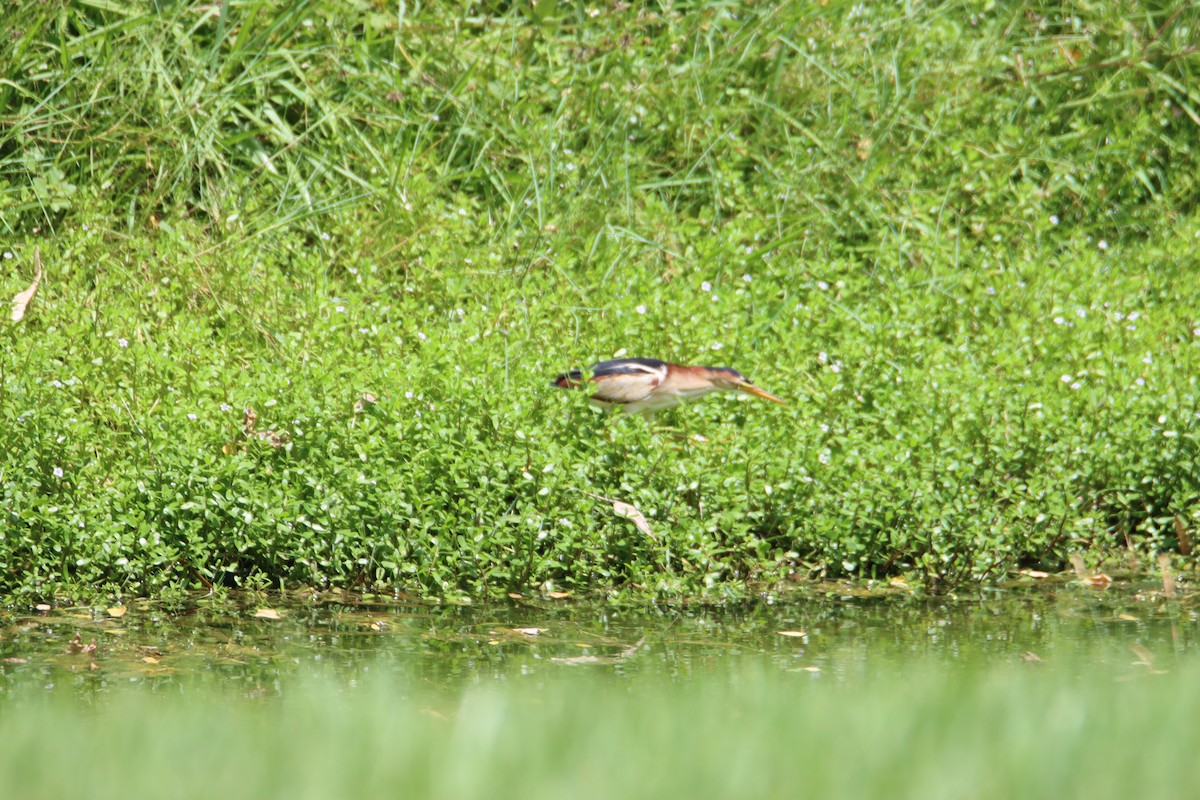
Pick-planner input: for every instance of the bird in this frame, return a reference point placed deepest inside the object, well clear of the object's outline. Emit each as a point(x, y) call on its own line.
point(646, 385)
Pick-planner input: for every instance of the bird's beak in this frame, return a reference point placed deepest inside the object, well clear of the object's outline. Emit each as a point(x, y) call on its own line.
point(750, 388)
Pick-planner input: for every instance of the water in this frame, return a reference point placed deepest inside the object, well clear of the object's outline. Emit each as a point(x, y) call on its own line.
point(833, 633)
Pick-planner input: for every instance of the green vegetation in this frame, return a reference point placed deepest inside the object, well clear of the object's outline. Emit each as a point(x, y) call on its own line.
point(980, 732)
point(960, 237)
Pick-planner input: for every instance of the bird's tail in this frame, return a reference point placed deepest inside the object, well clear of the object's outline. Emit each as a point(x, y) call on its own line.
point(568, 380)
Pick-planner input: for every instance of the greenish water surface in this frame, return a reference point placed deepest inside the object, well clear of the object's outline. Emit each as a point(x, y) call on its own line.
point(834, 633)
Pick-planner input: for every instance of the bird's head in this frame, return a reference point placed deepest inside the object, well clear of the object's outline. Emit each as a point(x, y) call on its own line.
point(730, 380)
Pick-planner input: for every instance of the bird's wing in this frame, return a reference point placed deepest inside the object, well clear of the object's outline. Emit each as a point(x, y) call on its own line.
point(627, 380)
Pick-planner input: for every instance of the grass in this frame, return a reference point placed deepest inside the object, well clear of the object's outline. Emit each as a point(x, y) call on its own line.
point(959, 237)
point(987, 731)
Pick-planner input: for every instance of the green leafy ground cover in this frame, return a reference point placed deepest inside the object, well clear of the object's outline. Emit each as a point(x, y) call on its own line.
point(960, 237)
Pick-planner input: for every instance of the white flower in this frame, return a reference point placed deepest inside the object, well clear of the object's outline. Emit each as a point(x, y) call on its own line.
point(123, 342)
point(340, 309)
point(706, 287)
point(58, 473)
point(1103, 245)
point(1081, 313)
point(717, 345)
point(408, 395)
point(1059, 321)
point(1076, 385)
point(192, 417)
point(822, 285)
point(421, 336)
point(715, 298)
point(325, 237)
point(1140, 381)
point(1053, 219)
point(226, 407)
point(1067, 379)
point(746, 277)
point(640, 309)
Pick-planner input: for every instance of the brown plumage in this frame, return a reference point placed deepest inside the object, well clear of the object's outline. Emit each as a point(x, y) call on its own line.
point(647, 385)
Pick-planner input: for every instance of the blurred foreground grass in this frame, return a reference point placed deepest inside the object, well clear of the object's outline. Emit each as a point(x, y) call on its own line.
point(738, 730)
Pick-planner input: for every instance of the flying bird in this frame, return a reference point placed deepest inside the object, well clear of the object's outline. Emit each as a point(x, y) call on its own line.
point(647, 385)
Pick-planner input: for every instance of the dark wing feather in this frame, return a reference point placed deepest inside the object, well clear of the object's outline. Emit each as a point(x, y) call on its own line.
point(628, 366)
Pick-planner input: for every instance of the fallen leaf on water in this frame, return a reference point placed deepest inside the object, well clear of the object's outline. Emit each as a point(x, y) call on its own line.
point(1098, 581)
point(21, 302)
point(558, 595)
point(117, 611)
point(43, 607)
point(515, 595)
point(796, 634)
point(529, 631)
point(1035, 573)
point(268, 613)
point(1128, 617)
point(1031, 657)
point(150, 659)
point(16, 661)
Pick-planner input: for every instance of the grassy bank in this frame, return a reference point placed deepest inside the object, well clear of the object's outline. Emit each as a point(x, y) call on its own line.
point(959, 239)
point(984, 732)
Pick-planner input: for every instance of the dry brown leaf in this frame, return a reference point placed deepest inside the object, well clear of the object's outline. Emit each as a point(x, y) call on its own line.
point(117, 611)
point(21, 302)
point(1031, 657)
point(633, 515)
point(268, 613)
point(794, 634)
point(362, 403)
point(629, 512)
point(1035, 573)
point(515, 595)
point(1098, 581)
point(150, 660)
point(16, 661)
point(1128, 617)
point(558, 595)
point(43, 607)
